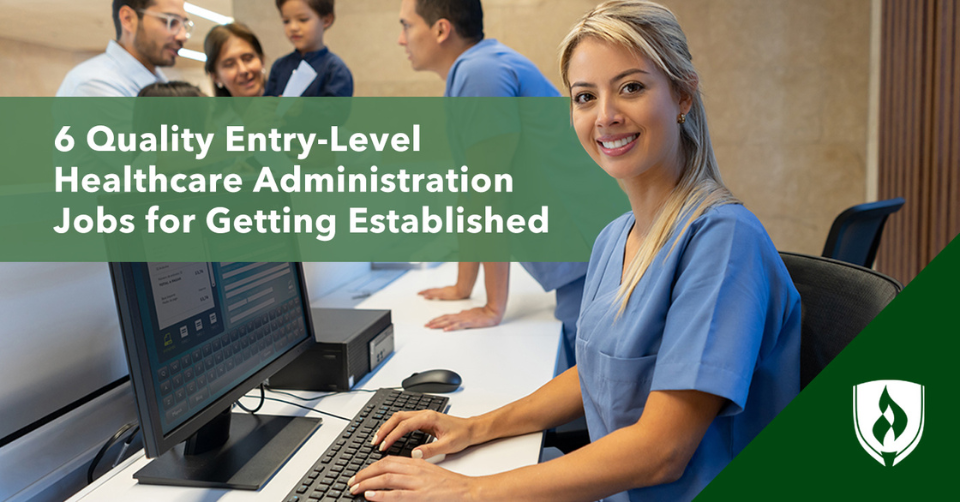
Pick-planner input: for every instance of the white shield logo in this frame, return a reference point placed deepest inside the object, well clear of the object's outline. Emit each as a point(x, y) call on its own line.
point(888, 417)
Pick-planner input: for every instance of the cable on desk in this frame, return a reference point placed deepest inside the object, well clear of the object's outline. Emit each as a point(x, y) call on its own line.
point(262, 396)
point(126, 446)
point(304, 407)
point(132, 426)
point(321, 396)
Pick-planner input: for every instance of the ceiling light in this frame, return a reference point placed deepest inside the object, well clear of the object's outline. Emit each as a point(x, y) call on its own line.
point(206, 14)
point(198, 56)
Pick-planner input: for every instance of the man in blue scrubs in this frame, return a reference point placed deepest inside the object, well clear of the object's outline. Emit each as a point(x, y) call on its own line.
point(446, 37)
point(149, 35)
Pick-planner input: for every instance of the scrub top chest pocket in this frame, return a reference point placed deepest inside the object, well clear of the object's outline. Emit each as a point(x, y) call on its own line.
point(621, 384)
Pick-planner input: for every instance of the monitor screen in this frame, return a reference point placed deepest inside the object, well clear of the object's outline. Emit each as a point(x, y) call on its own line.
point(211, 326)
point(200, 335)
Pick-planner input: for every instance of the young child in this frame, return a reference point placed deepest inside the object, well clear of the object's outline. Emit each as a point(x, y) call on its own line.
point(304, 23)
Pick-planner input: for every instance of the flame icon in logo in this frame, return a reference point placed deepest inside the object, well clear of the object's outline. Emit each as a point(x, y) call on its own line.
point(896, 425)
point(883, 425)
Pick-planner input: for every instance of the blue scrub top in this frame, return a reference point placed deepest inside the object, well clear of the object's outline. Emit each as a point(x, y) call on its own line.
point(490, 69)
point(718, 314)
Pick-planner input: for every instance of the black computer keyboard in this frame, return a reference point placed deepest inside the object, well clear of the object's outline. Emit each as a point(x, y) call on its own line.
point(326, 481)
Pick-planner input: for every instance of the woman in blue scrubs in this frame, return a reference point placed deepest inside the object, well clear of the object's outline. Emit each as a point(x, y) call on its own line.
point(688, 340)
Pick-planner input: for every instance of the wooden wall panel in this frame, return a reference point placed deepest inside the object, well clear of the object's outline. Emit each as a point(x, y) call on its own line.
point(919, 151)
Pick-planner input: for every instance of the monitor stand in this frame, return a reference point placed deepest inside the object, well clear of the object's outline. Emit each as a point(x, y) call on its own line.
point(244, 458)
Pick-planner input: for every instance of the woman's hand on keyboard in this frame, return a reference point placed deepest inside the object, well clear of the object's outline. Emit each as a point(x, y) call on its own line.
point(401, 478)
point(453, 433)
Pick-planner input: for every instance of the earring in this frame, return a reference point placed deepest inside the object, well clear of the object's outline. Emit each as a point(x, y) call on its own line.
point(219, 85)
point(681, 118)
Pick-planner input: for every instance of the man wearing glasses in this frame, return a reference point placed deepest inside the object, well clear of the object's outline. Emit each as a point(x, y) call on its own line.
point(149, 34)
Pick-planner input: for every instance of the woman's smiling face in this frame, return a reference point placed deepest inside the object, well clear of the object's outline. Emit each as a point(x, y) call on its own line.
point(239, 68)
point(624, 111)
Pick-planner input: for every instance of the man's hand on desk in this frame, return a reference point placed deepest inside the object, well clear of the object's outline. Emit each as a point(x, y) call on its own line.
point(448, 293)
point(497, 275)
point(480, 317)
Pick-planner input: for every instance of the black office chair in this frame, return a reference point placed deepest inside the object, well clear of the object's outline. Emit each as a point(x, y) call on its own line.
point(838, 300)
point(855, 234)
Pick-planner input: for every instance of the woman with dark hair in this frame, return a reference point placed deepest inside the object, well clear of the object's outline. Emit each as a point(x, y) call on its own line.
point(234, 61)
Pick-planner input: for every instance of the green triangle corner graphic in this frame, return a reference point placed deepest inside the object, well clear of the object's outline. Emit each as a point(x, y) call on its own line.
point(811, 451)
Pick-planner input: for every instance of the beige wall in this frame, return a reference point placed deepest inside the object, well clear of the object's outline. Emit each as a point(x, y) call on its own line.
point(787, 93)
point(34, 70)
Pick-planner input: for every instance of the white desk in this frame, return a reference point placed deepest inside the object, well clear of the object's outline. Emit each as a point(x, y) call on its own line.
point(498, 365)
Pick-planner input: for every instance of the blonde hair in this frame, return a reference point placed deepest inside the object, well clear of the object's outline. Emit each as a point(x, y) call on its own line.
point(652, 31)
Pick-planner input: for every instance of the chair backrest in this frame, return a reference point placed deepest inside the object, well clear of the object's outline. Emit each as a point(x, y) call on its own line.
point(838, 300)
point(855, 234)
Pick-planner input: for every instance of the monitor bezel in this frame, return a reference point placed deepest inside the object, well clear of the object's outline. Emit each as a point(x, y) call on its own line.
point(155, 442)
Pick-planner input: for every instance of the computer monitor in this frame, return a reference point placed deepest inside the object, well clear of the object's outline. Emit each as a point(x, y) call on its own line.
point(197, 337)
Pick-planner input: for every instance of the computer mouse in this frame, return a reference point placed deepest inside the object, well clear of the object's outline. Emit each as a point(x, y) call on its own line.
point(438, 381)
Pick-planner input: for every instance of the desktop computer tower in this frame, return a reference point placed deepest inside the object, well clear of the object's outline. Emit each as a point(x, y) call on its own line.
point(350, 344)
